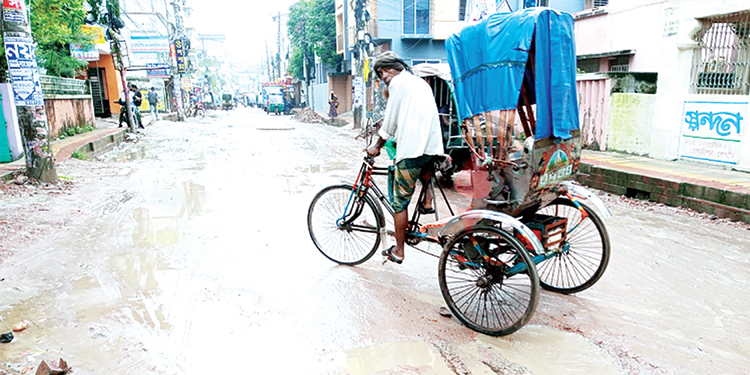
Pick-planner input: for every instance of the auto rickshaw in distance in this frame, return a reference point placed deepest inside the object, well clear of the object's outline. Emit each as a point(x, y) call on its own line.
point(226, 102)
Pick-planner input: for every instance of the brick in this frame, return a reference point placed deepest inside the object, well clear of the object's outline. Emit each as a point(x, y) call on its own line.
point(692, 191)
point(642, 186)
point(713, 194)
point(584, 168)
point(615, 189)
point(736, 199)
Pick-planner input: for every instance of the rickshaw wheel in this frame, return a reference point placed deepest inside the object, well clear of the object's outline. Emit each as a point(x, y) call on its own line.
point(479, 291)
point(355, 243)
point(585, 258)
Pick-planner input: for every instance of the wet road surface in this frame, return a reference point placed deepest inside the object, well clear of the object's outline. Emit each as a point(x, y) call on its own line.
point(188, 253)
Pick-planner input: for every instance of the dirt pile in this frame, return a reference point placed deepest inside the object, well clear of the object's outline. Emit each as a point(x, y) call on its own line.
point(309, 116)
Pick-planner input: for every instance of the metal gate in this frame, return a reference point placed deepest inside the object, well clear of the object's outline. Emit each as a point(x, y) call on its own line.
point(593, 108)
point(99, 92)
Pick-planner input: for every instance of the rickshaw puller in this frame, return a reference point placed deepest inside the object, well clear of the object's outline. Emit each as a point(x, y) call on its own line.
point(411, 117)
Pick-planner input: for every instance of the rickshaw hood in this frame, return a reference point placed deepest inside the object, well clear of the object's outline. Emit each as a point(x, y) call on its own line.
point(488, 61)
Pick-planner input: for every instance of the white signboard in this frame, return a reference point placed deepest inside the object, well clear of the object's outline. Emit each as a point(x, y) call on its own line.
point(359, 91)
point(712, 131)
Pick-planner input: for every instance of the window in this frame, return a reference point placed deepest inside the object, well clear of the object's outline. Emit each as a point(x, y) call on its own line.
point(416, 16)
point(417, 62)
point(589, 4)
point(721, 63)
point(462, 10)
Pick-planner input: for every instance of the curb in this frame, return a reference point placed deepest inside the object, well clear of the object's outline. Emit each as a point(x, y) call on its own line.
point(724, 201)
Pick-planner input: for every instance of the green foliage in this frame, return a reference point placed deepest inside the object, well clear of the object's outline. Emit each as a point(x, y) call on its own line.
point(55, 25)
point(312, 31)
point(80, 155)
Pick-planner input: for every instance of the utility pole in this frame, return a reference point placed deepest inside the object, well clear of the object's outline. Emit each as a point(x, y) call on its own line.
point(116, 46)
point(359, 79)
point(27, 92)
point(278, 45)
point(176, 74)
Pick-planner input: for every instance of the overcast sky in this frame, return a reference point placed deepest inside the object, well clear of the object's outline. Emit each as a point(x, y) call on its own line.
point(246, 23)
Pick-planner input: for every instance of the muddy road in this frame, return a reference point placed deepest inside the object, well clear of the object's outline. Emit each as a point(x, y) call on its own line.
point(188, 253)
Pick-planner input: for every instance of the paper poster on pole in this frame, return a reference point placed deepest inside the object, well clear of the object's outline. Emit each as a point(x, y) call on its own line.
point(359, 91)
point(13, 11)
point(27, 87)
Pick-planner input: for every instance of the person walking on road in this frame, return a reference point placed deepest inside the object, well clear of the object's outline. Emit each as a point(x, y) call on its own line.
point(137, 101)
point(153, 102)
point(411, 117)
point(333, 102)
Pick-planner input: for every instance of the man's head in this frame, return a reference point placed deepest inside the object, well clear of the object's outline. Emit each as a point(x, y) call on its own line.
point(387, 65)
point(133, 87)
point(153, 88)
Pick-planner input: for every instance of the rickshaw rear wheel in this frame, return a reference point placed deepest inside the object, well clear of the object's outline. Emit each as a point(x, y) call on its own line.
point(585, 258)
point(479, 291)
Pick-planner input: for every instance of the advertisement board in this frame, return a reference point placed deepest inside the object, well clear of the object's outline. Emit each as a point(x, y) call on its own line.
point(712, 131)
point(13, 11)
point(179, 52)
point(27, 87)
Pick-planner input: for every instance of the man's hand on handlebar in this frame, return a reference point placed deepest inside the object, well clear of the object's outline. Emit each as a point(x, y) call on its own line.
point(373, 151)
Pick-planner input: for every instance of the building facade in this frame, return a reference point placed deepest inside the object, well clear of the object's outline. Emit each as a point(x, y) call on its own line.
point(676, 87)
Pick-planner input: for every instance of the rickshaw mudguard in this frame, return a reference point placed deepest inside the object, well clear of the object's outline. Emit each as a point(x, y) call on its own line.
point(588, 197)
point(471, 218)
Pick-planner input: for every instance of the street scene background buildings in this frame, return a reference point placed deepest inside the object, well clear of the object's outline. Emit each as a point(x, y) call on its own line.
point(666, 79)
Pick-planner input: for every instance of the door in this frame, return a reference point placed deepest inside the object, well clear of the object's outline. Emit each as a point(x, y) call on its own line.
point(98, 81)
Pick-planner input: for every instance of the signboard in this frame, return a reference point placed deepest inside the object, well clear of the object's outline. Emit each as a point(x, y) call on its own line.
point(96, 32)
point(158, 70)
point(27, 88)
point(712, 131)
point(91, 54)
point(149, 44)
point(13, 11)
point(187, 83)
point(179, 52)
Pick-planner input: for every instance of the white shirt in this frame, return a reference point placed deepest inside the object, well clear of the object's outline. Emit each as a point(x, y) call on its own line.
point(411, 117)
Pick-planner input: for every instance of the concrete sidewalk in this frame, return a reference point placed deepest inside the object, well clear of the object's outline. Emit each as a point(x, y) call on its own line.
point(102, 139)
point(701, 187)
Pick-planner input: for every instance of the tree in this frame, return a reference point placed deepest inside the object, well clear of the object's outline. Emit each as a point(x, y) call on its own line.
point(312, 30)
point(55, 25)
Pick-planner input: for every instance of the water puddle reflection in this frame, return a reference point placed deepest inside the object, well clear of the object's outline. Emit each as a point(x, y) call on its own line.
point(417, 356)
point(161, 219)
point(549, 351)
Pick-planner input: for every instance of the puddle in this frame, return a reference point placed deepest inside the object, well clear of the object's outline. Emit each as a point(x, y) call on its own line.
point(413, 355)
point(547, 351)
point(161, 219)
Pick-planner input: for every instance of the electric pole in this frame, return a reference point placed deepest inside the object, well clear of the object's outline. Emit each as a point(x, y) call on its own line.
point(27, 92)
point(277, 18)
point(176, 74)
point(359, 79)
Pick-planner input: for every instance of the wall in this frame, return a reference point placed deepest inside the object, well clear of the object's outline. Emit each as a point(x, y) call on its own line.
point(319, 100)
point(67, 111)
point(677, 49)
point(615, 31)
point(341, 84)
point(114, 83)
point(630, 121)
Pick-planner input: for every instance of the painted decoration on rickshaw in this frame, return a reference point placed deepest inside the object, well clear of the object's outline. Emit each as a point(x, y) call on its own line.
point(712, 131)
point(557, 162)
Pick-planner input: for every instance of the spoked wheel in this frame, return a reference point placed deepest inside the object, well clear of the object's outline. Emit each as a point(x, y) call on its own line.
point(585, 253)
point(200, 114)
point(495, 295)
point(346, 239)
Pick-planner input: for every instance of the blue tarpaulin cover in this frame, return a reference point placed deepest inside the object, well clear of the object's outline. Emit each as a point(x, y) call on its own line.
point(488, 60)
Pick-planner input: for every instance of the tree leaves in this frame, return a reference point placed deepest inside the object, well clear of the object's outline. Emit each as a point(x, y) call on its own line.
point(312, 30)
point(55, 25)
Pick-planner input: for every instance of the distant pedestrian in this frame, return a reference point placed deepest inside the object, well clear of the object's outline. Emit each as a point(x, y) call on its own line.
point(333, 101)
point(153, 102)
point(137, 101)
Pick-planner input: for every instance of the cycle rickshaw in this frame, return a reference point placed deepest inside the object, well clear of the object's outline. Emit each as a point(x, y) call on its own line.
point(529, 223)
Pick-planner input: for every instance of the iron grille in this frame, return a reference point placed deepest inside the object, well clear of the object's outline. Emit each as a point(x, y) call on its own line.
point(721, 62)
point(600, 3)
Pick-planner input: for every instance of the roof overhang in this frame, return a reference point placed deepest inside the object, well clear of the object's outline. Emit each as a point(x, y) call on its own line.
point(624, 52)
